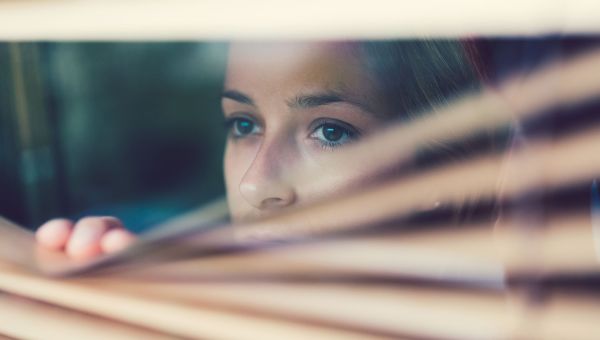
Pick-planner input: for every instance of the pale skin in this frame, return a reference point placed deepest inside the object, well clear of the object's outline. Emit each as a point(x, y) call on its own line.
point(288, 106)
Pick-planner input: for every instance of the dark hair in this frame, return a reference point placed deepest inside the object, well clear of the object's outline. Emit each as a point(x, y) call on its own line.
point(415, 76)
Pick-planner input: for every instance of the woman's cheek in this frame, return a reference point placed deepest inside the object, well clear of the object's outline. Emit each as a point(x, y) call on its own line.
point(334, 183)
point(322, 175)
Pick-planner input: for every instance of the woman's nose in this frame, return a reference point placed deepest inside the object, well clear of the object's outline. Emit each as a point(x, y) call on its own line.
point(263, 184)
point(267, 195)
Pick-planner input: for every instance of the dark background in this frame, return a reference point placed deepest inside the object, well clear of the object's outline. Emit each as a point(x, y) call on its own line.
point(126, 129)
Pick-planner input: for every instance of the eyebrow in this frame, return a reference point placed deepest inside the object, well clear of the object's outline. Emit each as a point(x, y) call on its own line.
point(238, 97)
point(301, 101)
point(324, 98)
point(314, 100)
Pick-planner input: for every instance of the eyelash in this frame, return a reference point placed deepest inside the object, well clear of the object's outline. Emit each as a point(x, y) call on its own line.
point(230, 125)
point(349, 133)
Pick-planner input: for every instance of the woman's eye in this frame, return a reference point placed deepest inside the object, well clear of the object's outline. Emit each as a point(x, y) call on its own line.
point(333, 135)
point(241, 127)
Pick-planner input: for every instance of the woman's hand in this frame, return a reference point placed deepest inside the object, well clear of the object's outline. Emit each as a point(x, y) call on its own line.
point(88, 238)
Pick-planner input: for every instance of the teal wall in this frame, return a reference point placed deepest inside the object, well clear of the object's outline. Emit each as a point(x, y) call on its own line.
point(133, 130)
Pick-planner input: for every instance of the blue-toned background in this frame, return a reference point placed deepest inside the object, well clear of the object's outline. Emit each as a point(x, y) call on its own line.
point(126, 129)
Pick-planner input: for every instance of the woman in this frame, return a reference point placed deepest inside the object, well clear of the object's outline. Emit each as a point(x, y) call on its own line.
point(290, 106)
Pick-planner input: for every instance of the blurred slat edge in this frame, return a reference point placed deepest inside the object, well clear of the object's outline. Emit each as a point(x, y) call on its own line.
point(269, 19)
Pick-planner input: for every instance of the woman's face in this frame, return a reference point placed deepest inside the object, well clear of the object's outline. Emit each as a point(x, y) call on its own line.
point(288, 107)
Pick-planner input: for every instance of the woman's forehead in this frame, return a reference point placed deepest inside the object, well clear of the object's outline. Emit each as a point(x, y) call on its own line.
point(272, 66)
point(286, 52)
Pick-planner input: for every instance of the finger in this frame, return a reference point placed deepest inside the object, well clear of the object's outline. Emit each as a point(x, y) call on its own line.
point(55, 233)
point(87, 235)
point(116, 240)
